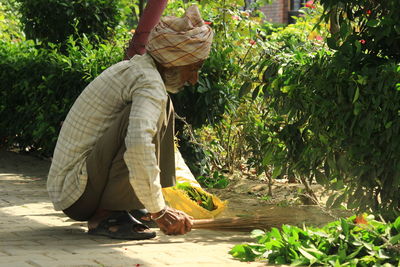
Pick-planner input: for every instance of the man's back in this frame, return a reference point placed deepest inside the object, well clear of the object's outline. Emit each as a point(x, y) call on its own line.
point(90, 116)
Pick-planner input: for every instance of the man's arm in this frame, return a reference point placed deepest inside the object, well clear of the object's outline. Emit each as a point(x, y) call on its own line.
point(151, 16)
point(147, 107)
point(141, 160)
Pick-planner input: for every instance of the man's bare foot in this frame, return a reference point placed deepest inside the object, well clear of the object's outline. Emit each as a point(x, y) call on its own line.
point(100, 215)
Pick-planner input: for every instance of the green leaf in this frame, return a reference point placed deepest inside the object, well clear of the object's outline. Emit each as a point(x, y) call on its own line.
point(331, 42)
point(245, 89)
point(320, 178)
point(257, 233)
point(396, 224)
point(276, 172)
point(345, 227)
point(221, 184)
point(356, 95)
point(255, 92)
point(244, 252)
point(330, 200)
point(355, 253)
point(339, 200)
point(310, 257)
point(395, 239)
point(271, 71)
point(357, 108)
point(373, 23)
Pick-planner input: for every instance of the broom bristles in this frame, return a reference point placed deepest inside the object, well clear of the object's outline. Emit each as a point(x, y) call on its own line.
point(237, 223)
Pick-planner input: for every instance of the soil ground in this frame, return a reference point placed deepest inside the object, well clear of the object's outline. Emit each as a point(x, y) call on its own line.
point(248, 195)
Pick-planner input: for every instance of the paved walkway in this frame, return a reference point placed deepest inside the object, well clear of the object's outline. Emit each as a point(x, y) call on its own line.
point(33, 234)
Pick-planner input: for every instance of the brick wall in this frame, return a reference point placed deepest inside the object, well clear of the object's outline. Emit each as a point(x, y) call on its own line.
point(276, 12)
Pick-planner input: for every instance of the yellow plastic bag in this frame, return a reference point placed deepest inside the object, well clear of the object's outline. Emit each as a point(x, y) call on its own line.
point(178, 198)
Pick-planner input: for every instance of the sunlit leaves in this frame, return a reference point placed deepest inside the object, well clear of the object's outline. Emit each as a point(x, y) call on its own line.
point(345, 242)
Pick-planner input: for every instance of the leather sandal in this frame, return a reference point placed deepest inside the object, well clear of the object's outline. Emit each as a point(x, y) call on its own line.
point(128, 228)
point(143, 216)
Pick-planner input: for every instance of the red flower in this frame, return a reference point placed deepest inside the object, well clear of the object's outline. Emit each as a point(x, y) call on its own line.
point(362, 41)
point(360, 219)
point(310, 4)
point(252, 42)
point(207, 22)
point(368, 12)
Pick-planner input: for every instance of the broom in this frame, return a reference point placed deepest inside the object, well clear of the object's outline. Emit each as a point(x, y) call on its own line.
point(244, 224)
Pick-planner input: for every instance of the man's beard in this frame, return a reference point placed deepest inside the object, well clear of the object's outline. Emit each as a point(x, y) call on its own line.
point(173, 82)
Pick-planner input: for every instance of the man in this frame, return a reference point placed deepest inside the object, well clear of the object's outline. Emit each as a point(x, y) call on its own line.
point(115, 150)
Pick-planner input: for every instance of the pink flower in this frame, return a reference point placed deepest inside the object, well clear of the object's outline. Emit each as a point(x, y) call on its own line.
point(252, 42)
point(362, 41)
point(234, 17)
point(310, 4)
point(319, 38)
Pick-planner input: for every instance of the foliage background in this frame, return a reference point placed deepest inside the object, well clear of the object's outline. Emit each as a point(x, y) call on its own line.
point(315, 101)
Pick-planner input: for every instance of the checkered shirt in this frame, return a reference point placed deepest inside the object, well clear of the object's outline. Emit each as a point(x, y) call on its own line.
point(136, 81)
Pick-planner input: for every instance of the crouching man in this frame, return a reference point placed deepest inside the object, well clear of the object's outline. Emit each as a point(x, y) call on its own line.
point(115, 150)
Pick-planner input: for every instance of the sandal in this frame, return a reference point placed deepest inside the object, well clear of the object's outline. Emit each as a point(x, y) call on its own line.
point(143, 216)
point(127, 227)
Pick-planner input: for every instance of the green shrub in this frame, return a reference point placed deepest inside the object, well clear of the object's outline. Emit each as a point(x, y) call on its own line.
point(10, 26)
point(370, 27)
point(356, 241)
point(221, 76)
point(335, 110)
point(39, 86)
point(55, 20)
point(339, 123)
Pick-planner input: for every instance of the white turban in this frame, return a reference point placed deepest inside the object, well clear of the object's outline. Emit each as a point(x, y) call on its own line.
point(180, 41)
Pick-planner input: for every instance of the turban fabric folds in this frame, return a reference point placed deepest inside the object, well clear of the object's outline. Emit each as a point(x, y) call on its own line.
point(180, 41)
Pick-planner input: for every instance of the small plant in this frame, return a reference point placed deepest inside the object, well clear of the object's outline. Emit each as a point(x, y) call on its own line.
point(266, 198)
point(216, 181)
point(356, 241)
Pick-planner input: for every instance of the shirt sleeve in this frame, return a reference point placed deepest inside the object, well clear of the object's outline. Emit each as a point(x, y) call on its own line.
point(140, 155)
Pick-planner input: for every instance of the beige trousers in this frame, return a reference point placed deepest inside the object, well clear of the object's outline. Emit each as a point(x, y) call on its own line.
point(108, 184)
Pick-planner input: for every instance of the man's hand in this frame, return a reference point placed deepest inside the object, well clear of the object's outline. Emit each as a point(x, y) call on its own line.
point(173, 222)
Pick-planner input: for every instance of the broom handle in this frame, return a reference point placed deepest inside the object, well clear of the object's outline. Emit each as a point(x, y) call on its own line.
point(201, 223)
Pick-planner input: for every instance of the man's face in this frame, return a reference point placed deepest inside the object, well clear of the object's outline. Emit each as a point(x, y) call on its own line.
point(176, 77)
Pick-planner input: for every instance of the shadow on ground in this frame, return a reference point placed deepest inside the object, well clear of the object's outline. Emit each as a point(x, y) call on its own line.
point(33, 234)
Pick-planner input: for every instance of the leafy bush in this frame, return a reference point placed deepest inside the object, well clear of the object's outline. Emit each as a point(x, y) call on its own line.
point(339, 123)
point(10, 26)
point(55, 20)
point(39, 86)
point(332, 113)
point(370, 27)
point(220, 78)
point(355, 241)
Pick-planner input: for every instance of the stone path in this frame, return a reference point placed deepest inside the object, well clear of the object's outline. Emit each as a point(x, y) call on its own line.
point(33, 234)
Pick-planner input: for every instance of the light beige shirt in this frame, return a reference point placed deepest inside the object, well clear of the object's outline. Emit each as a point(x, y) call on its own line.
point(136, 81)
